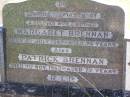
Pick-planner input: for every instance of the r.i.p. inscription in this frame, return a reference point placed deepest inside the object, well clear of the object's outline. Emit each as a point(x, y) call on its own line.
point(60, 42)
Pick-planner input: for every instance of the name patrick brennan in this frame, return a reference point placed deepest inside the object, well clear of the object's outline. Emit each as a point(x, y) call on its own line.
point(63, 59)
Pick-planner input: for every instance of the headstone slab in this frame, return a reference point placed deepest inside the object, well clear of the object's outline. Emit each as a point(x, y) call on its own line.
point(77, 42)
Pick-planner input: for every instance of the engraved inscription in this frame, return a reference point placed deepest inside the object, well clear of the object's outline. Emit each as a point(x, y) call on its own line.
point(65, 33)
point(62, 68)
point(62, 78)
point(61, 50)
point(60, 4)
point(61, 24)
point(63, 59)
point(65, 42)
point(66, 15)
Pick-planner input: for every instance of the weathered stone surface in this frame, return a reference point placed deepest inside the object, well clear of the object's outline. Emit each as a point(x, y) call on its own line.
point(65, 42)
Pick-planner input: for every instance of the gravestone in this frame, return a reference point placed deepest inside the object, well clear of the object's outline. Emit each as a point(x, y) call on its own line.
point(61, 42)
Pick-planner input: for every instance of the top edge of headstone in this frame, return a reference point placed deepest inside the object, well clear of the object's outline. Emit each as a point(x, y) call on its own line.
point(47, 2)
